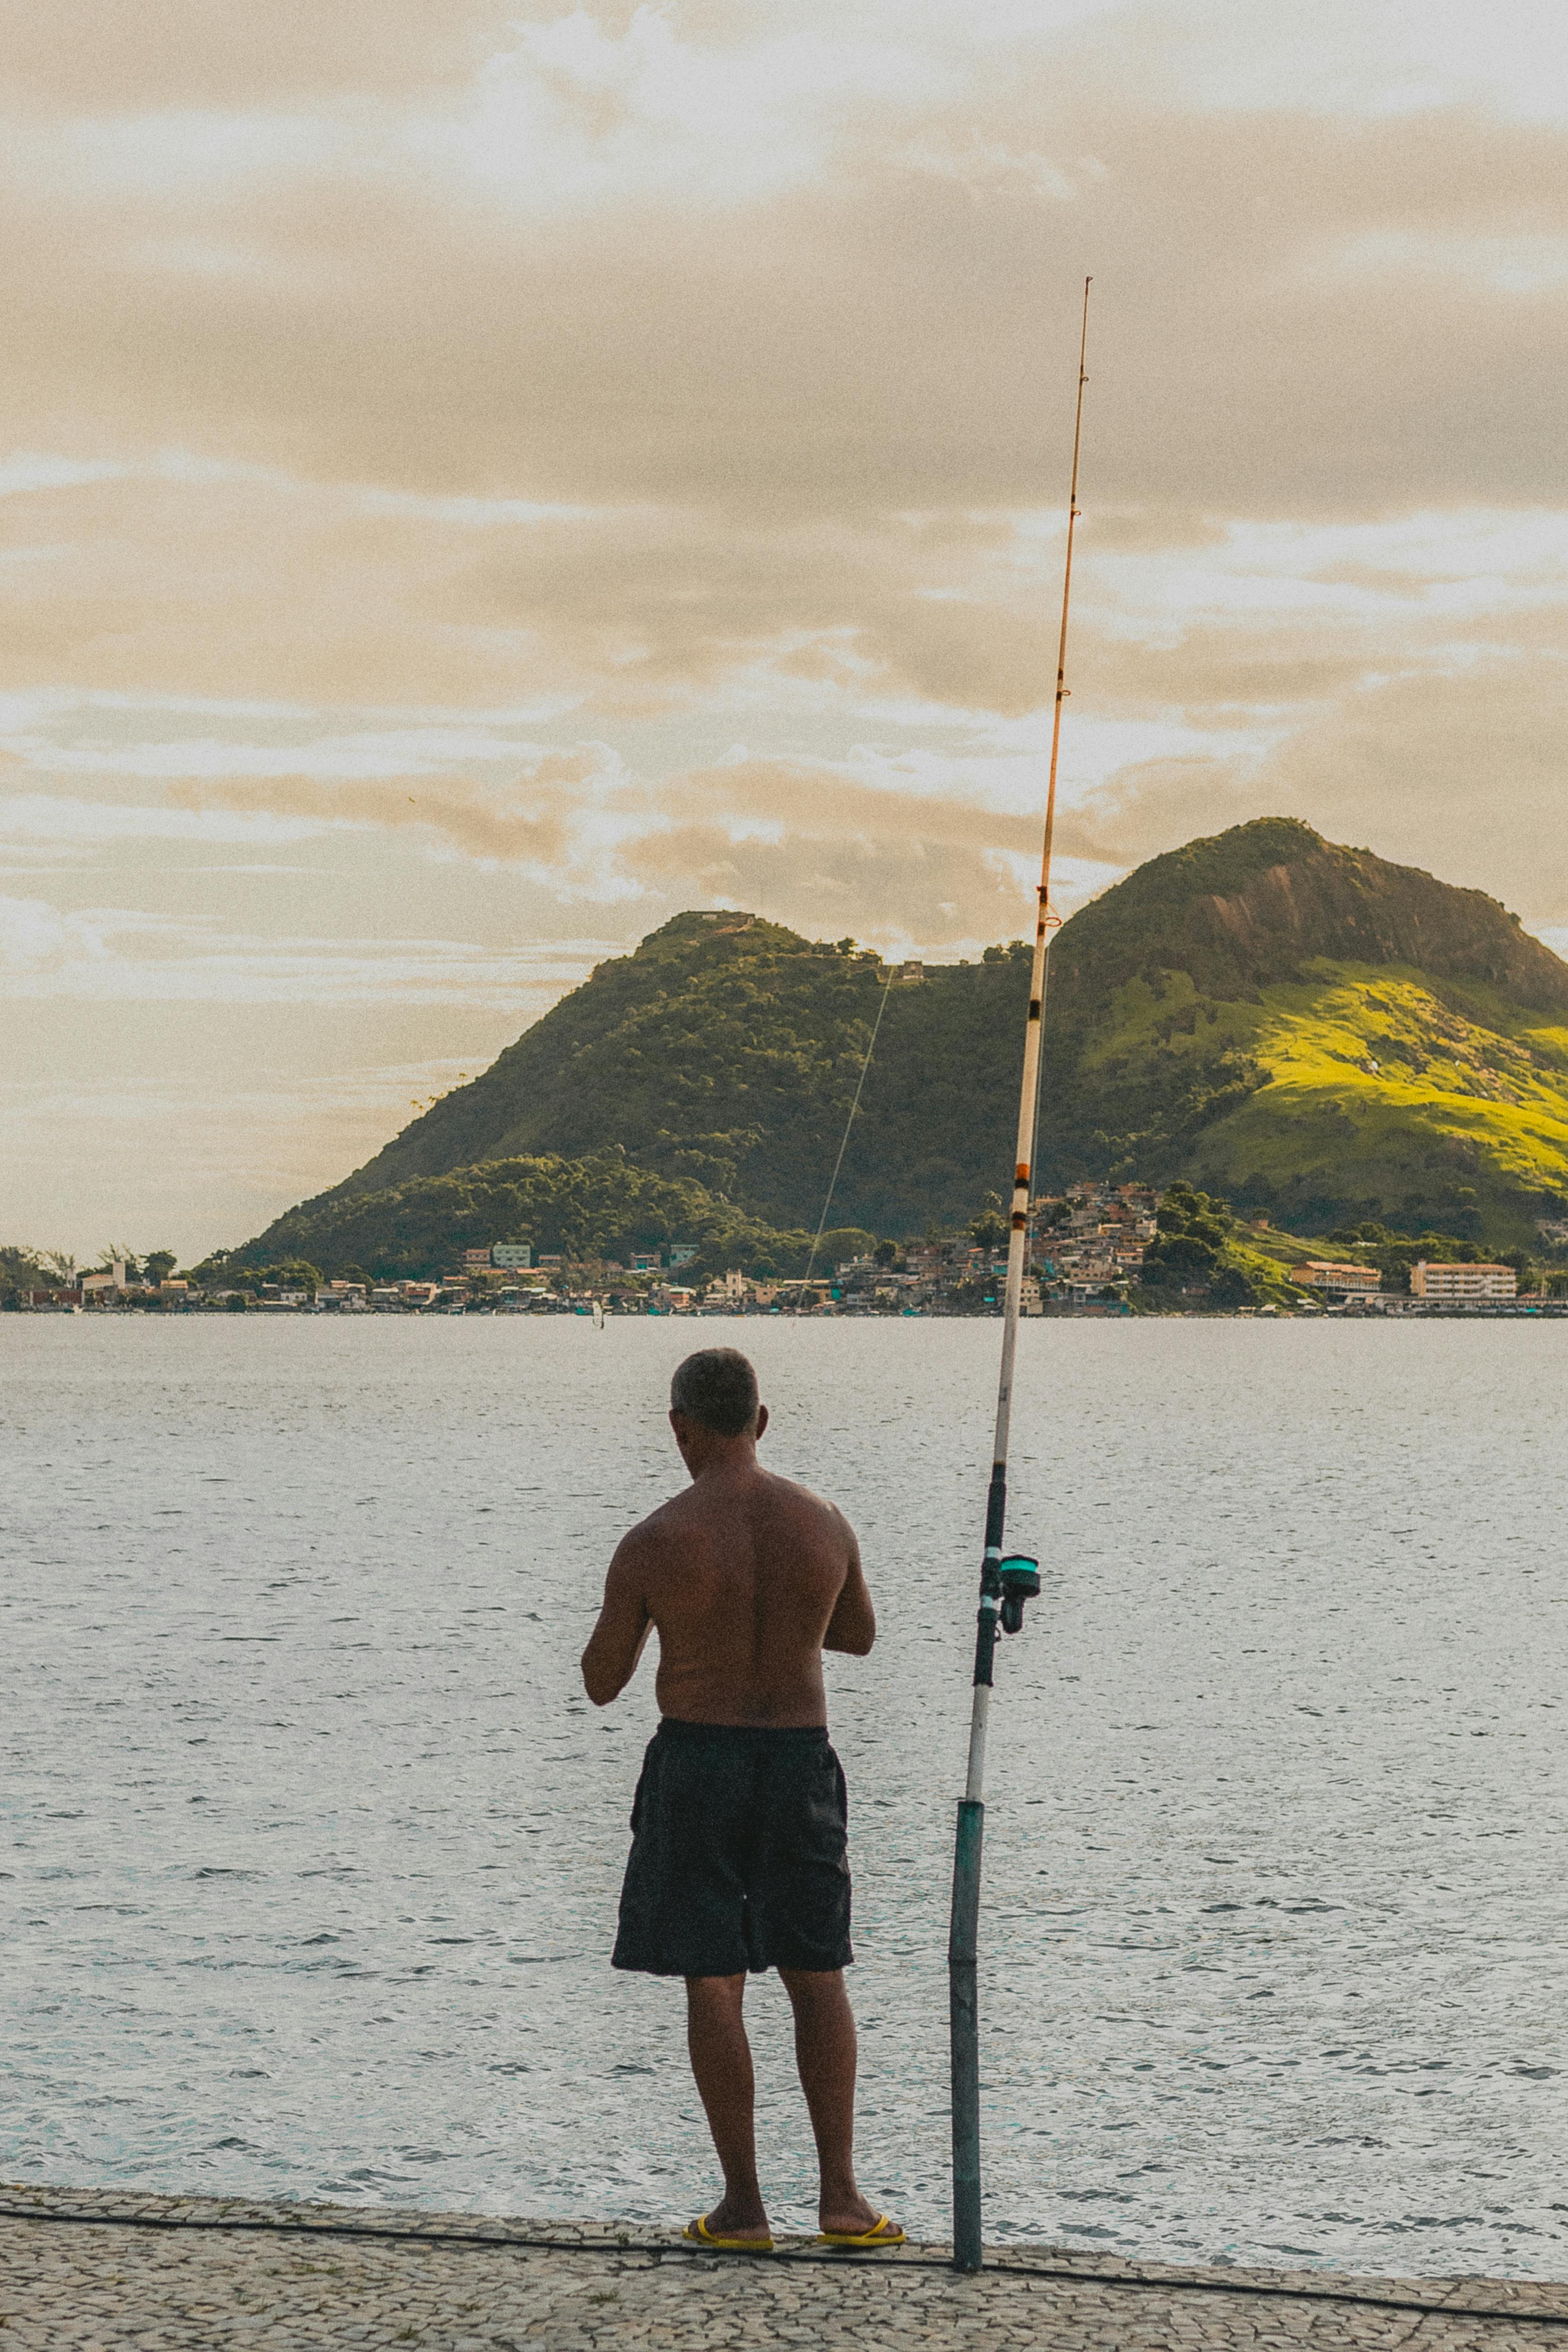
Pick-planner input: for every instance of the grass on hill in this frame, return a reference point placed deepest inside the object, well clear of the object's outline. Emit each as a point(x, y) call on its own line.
point(1357, 1091)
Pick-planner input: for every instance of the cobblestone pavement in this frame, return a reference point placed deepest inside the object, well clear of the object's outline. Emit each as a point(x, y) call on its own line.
point(96, 2285)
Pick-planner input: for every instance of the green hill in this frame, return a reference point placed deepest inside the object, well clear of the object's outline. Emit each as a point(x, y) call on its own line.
point(1304, 1028)
point(1316, 1032)
point(727, 1050)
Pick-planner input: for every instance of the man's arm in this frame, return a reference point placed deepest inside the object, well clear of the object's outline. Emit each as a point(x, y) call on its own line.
point(852, 1625)
point(616, 1643)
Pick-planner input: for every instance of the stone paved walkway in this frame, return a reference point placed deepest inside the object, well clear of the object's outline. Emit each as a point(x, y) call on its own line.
point(100, 2285)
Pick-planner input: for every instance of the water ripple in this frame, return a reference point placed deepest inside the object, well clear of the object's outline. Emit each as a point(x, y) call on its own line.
point(312, 1839)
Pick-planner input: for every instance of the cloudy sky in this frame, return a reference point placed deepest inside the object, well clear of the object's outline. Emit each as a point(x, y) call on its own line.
point(476, 479)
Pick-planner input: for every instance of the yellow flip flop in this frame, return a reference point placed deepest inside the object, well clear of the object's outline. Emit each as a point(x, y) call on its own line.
point(883, 2232)
point(700, 2234)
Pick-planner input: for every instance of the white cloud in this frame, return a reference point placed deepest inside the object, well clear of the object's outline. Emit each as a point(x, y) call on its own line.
point(120, 955)
point(44, 816)
point(197, 152)
point(577, 117)
point(1525, 265)
point(26, 471)
point(35, 938)
point(1349, 58)
point(986, 167)
point(350, 754)
point(1252, 569)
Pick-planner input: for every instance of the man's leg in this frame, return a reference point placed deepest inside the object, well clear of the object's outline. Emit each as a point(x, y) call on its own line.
point(825, 2054)
point(721, 2061)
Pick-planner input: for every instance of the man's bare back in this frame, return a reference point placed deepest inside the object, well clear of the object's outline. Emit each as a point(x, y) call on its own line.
point(747, 1577)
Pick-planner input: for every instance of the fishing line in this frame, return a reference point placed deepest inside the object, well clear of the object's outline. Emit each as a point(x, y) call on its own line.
point(603, 2248)
point(843, 1146)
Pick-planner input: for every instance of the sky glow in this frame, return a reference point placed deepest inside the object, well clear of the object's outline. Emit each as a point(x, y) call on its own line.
point(473, 481)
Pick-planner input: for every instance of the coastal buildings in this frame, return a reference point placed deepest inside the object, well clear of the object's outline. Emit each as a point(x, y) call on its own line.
point(1093, 1236)
point(1460, 1285)
point(1090, 1254)
point(1344, 1281)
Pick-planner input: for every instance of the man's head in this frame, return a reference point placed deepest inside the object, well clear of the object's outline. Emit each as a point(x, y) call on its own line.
point(713, 1403)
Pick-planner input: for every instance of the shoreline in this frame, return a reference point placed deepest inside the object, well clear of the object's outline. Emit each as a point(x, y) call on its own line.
point(80, 2268)
point(1421, 1311)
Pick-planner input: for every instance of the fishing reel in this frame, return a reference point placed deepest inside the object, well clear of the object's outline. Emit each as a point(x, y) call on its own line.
point(1015, 1580)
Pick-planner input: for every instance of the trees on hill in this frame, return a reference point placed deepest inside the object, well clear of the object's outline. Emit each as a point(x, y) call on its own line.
point(602, 1206)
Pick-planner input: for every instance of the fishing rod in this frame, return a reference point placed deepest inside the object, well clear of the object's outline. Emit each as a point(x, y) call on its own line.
point(1006, 1584)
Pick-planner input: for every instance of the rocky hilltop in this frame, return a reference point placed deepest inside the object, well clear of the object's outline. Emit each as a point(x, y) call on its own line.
point(1265, 901)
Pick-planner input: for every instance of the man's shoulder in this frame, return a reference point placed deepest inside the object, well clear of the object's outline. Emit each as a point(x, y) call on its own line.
point(807, 1495)
point(790, 1497)
point(651, 1533)
point(643, 1549)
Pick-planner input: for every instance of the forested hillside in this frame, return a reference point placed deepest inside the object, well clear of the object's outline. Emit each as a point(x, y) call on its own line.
point(601, 1205)
point(728, 1049)
point(1304, 1028)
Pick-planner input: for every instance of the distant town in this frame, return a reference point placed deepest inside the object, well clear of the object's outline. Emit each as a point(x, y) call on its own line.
point(1097, 1249)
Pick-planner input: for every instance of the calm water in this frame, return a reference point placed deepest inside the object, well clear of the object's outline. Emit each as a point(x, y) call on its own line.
point(314, 1844)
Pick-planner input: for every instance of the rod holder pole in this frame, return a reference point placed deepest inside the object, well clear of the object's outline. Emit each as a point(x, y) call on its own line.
point(964, 2025)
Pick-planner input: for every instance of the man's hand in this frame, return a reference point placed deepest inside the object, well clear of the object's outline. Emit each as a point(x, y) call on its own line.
point(617, 1640)
point(852, 1625)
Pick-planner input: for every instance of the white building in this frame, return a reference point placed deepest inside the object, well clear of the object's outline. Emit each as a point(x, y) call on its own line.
point(1462, 1282)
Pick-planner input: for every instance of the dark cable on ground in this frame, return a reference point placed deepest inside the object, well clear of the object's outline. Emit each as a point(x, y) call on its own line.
point(1062, 2271)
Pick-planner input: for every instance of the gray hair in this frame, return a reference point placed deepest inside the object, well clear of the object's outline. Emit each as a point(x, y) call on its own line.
point(718, 1387)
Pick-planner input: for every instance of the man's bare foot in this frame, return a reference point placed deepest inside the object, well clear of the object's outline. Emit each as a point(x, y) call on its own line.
point(851, 2217)
point(731, 2219)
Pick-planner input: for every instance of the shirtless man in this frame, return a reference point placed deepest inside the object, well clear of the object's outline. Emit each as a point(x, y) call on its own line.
point(738, 1854)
